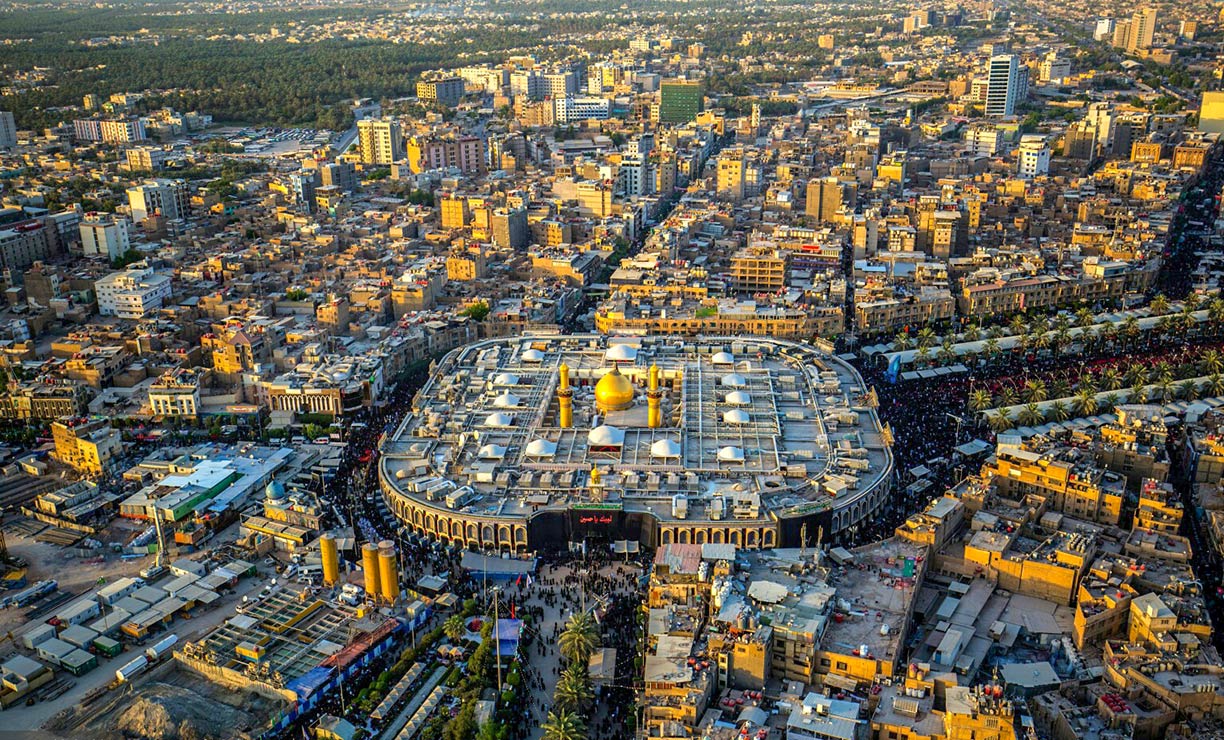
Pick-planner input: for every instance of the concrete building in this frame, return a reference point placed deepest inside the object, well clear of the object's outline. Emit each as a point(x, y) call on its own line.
point(1005, 85)
point(104, 235)
point(169, 198)
point(380, 142)
point(132, 294)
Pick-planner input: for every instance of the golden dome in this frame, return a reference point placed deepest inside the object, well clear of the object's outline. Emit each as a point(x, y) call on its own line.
point(613, 392)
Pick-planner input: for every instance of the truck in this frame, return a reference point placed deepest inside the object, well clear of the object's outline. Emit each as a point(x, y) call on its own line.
point(131, 669)
point(161, 648)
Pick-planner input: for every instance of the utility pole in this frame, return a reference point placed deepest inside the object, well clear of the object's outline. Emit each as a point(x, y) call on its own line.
point(497, 642)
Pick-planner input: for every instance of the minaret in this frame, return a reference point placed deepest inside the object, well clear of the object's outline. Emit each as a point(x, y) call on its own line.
point(565, 399)
point(654, 396)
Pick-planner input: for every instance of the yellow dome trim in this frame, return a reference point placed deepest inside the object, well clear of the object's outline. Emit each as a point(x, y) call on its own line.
point(614, 392)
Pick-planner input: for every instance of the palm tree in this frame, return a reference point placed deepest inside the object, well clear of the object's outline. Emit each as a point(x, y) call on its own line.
point(573, 691)
point(579, 639)
point(972, 333)
point(1058, 411)
point(998, 332)
point(1163, 390)
point(998, 421)
point(923, 356)
point(1159, 305)
point(991, 348)
point(1008, 396)
point(1136, 375)
point(979, 400)
point(946, 353)
point(1061, 338)
point(1192, 302)
point(1039, 325)
point(926, 337)
point(1138, 393)
point(1162, 371)
point(1214, 384)
point(1129, 328)
point(1109, 333)
point(1111, 379)
point(902, 341)
point(1030, 414)
point(1062, 321)
point(1060, 388)
point(1088, 337)
point(1212, 362)
point(1187, 389)
point(563, 725)
point(1018, 325)
point(1085, 402)
point(1215, 312)
point(1084, 317)
point(454, 628)
point(1035, 391)
point(1110, 401)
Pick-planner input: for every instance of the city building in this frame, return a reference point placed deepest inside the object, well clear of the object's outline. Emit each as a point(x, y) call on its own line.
point(680, 100)
point(168, 198)
point(104, 235)
point(379, 141)
point(1005, 84)
point(134, 293)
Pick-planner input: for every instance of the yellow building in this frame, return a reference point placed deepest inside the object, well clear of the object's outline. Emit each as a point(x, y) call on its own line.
point(86, 446)
point(1070, 483)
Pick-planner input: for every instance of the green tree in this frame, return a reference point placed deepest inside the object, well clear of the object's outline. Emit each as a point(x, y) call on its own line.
point(980, 400)
point(478, 311)
point(579, 639)
point(454, 628)
point(574, 692)
point(563, 725)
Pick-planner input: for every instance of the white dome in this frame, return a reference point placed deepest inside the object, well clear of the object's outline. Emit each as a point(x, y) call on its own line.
point(736, 416)
point(734, 380)
point(506, 401)
point(541, 448)
point(401, 474)
point(665, 448)
point(606, 436)
point(532, 355)
point(621, 353)
point(505, 379)
point(492, 452)
point(498, 420)
point(722, 358)
point(730, 454)
point(738, 398)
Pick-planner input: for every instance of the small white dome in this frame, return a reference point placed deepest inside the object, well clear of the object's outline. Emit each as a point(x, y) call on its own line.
point(606, 436)
point(505, 379)
point(730, 454)
point(722, 358)
point(541, 448)
point(506, 401)
point(401, 474)
point(738, 398)
point(665, 448)
point(621, 353)
point(734, 380)
point(532, 355)
point(736, 416)
point(492, 452)
point(498, 420)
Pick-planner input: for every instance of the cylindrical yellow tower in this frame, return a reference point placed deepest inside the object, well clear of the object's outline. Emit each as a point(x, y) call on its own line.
point(388, 571)
point(565, 399)
point(369, 567)
point(331, 559)
point(654, 398)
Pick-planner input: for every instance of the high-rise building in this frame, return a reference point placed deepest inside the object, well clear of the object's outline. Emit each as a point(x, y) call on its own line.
point(166, 197)
point(104, 235)
point(680, 101)
point(1033, 159)
point(508, 227)
point(1121, 34)
point(1104, 30)
point(444, 90)
point(1003, 85)
point(1211, 113)
point(1142, 29)
point(823, 198)
point(380, 142)
point(8, 129)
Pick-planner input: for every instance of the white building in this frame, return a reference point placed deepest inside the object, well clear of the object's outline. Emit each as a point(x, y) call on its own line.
point(636, 176)
point(985, 140)
point(1004, 85)
point(8, 129)
point(176, 393)
point(104, 235)
point(133, 293)
point(1033, 159)
point(170, 198)
point(569, 109)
